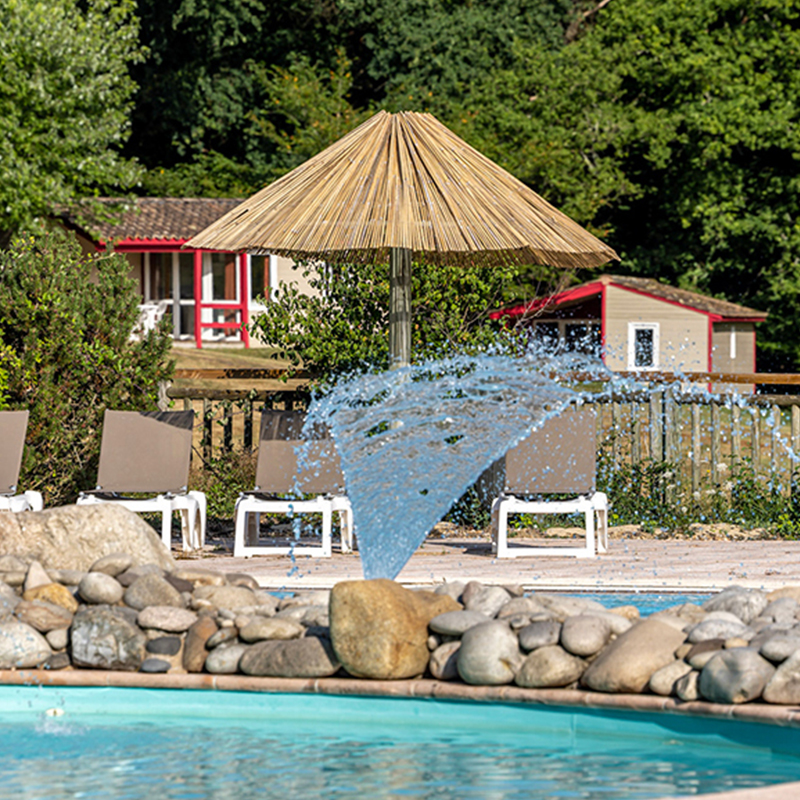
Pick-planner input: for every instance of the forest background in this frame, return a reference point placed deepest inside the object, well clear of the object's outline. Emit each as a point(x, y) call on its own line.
point(670, 129)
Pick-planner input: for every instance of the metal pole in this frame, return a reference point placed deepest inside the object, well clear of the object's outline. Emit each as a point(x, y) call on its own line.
point(399, 307)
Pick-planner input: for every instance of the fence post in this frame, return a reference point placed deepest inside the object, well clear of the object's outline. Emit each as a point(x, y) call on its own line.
point(696, 449)
point(755, 442)
point(736, 437)
point(614, 435)
point(208, 429)
point(672, 438)
point(227, 428)
point(656, 430)
point(716, 442)
point(248, 426)
point(636, 433)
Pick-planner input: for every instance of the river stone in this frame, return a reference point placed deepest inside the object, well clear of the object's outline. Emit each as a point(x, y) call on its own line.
point(667, 618)
point(585, 634)
point(308, 616)
point(112, 564)
point(746, 604)
point(42, 615)
point(631, 613)
point(53, 593)
point(628, 663)
point(380, 629)
point(164, 646)
point(260, 628)
point(58, 638)
point(151, 590)
point(470, 590)
point(8, 599)
point(783, 609)
point(702, 649)
point(310, 657)
point(735, 676)
point(228, 597)
point(98, 587)
point(455, 623)
point(453, 589)
point(167, 618)
point(663, 680)
point(222, 636)
point(784, 685)
point(563, 607)
point(520, 606)
point(21, 646)
point(687, 687)
point(224, 660)
point(539, 634)
point(781, 646)
point(444, 661)
point(12, 564)
point(784, 591)
point(102, 639)
point(57, 661)
point(268, 603)
point(154, 665)
point(549, 667)
point(67, 577)
point(717, 629)
point(184, 587)
point(195, 651)
point(74, 537)
point(489, 654)
point(199, 576)
point(321, 597)
point(36, 576)
point(489, 600)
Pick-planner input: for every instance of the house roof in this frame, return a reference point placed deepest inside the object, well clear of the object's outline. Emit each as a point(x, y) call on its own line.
point(148, 219)
point(719, 309)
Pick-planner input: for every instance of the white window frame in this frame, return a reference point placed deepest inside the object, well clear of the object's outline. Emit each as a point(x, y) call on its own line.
point(643, 326)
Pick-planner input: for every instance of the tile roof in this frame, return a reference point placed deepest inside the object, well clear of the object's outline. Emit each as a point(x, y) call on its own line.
point(147, 218)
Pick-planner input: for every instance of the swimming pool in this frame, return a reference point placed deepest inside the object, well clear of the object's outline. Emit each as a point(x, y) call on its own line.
point(190, 744)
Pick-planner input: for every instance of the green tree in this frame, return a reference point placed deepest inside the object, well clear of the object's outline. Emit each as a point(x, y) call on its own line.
point(65, 97)
point(65, 327)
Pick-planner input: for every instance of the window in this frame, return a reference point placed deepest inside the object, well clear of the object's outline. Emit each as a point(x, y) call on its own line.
point(259, 277)
point(553, 337)
point(642, 345)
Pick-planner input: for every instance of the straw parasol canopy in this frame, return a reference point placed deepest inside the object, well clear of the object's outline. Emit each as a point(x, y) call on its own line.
point(398, 187)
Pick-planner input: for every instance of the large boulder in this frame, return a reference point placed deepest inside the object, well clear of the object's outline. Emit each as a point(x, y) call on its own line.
point(75, 537)
point(21, 646)
point(380, 630)
point(310, 657)
point(103, 639)
point(784, 686)
point(735, 676)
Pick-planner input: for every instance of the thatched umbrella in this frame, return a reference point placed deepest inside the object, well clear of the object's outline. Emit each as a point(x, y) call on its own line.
point(397, 187)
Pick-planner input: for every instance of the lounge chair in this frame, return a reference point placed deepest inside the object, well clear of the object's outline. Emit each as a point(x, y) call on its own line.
point(557, 459)
point(13, 426)
point(149, 452)
point(279, 476)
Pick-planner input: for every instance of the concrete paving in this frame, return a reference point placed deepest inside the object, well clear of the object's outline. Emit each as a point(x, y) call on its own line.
point(631, 565)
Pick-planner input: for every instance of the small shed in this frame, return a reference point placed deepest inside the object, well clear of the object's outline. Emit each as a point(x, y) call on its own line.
point(640, 324)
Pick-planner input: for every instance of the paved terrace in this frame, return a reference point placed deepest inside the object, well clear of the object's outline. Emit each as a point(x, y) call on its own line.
point(631, 565)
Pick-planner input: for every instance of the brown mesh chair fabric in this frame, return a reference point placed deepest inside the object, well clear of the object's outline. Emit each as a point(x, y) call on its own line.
point(146, 451)
point(13, 425)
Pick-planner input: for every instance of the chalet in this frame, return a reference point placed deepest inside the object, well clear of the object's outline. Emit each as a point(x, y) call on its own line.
point(641, 324)
point(207, 295)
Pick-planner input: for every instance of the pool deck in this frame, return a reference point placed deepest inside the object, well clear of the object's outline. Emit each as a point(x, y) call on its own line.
point(631, 565)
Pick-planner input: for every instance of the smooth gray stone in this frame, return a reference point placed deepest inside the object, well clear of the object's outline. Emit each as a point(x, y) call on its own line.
point(36, 576)
point(784, 686)
point(316, 598)
point(520, 605)
point(152, 590)
point(455, 623)
point(563, 607)
point(783, 610)
point(451, 588)
point(224, 660)
point(164, 646)
point(780, 646)
point(183, 586)
point(113, 564)
point(701, 652)
point(102, 639)
point(746, 604)
point(585, 634)
point(549, 667)
point(57, 661)
point(67, 577)
point(98, 587)
point(8, 598)
point(305, 615)
point(262, 628)
point(489, 654)
point(58, 638)
point(717, 629)
point(309, 657)
point(222, 636)
point(539, 634)
point(151, 568)
point(21, 646)
point(167, 618)
point(687, 688)
point(43, 616)
point(230, 598)
point(444, 661)
point(735, 676)
point(267, 603)
point(10, 563)
point(154, 665)
point(242, 579)
point(489, 600)
point(662, 681)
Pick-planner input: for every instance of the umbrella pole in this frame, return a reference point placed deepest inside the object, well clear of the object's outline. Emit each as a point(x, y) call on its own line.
point(399, 307)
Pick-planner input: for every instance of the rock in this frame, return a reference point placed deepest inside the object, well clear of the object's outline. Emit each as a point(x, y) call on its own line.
point(222, 636)
point(785, 591)
point(229, 597)
point(585, 634)
point(783, 609)
point(746, 604)
point(308, 616)
point(99, 588)
point(12, 564)
point(309, 657)
point(8, 599)
point(444, 661)
point(151, 590)
point(628, 663)
point(317, 598)
point(380, 629)
point(686, 611)
point(267, 603)
point(58, 638)
point(112, 564)
point(224, 660)
point(21, 646)
point(678, 623)
point(260, 628)
point(784, 685)
point(687, 687)
point(489, 600)
point(489, 654)
point(184, 587)
point(102, 639)
point(53, 593)
point(520, 605)
point(36, 575)
point(14, 578)
point(781, 646)
point(455, 623)
point(539, 634)
point(167, 618)
point(43, 616)
point(57, 661)
point(75, 537)
point(130, 615)
point(451, 589)
point(563, 607)
point(164, 646)
point(735, 641)
point(631, 613)
point(717, 629)
point(67, 577)
point(470, 590)
point(195, 651)
point(154, 665)
point(549, 666)
point(735, 676)
point(663, 680)
point(198, 576)
point(699, 653)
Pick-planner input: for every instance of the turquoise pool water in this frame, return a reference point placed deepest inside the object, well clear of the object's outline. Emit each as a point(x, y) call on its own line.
point(140, 743)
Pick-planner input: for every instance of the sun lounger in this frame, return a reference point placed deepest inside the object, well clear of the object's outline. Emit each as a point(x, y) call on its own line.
point(13, 426)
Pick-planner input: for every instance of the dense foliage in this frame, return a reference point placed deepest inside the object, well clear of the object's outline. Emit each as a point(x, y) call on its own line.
point(67, 356)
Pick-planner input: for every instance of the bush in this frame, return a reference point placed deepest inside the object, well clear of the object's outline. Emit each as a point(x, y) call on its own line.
point(65, 326)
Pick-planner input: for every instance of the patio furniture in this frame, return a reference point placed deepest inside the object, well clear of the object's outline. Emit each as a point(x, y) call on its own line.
point(557, 459)
point(149, 452)
point(288, 470)
point(13, 426)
